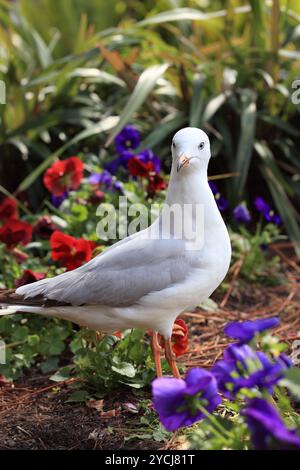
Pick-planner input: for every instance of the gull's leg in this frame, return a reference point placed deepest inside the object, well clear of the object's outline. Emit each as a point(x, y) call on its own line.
point(156, 353)
point(170, 356)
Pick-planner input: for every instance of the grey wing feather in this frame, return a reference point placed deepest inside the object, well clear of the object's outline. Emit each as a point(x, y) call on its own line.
point(118, 277)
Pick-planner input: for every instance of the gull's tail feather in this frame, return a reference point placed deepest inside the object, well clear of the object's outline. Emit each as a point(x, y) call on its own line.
point(11, 302)
point(8, 309)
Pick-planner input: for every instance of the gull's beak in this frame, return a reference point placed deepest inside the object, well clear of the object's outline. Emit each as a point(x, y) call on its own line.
point(183, 161)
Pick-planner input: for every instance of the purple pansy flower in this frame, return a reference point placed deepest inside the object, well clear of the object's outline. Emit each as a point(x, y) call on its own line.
point(148, 156)
point(244, 368)
point(113, 165)
point(267, 427)
point(127, 139)
point(177, 401)
point(276, 219)
point(118, 186)
point(263, 207)
point(56, 201)
point(245, 331)
point(242, 214)
point(106, 179)
point(222, 203)
point(121, 161)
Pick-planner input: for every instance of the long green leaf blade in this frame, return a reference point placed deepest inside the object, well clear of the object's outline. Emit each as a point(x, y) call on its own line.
point(143, 88)
point(245, 144)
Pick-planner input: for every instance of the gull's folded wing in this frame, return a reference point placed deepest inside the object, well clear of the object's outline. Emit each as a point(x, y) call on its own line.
point(118, 277)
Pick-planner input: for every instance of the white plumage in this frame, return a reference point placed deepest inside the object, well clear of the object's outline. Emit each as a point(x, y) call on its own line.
point(147, 282)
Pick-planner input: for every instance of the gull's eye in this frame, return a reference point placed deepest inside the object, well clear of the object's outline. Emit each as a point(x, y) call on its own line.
point(201, 145)
point(173, 144)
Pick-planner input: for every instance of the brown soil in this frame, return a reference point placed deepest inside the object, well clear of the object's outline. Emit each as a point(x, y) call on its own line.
point(35, 414)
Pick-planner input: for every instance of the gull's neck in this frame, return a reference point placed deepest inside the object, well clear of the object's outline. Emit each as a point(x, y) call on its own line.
point(191, 187)
point(187, 186)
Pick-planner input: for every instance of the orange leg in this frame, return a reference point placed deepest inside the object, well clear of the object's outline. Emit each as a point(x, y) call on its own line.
point(170, 356)
point(156, 353)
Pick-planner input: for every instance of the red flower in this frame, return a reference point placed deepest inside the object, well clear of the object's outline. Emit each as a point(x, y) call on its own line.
point(44, 227)
point(64, 175)
point(93, 245)
point(8, 209)
point(146, 170)
point(71, 252)
point(15, 232)
point(179, 337)
point(156, 183)
point(138, 168)
point(4, 381)
point(28, 277)
point(118, 334)
point(97, 197)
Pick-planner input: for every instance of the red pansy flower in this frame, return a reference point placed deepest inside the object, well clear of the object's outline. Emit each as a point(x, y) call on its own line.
point(44, 227)
point(97, 197)
point(71, 252)
point(179, 337)
point(15, 232)
point(118, 334)
point(93, 245)
point(137, 167)
point(28, 277)
point(8, 209)
point(156, 183)
point(4, 381)
point(64, 175)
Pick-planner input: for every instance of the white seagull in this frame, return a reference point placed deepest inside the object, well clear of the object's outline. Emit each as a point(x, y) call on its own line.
point(146, 280)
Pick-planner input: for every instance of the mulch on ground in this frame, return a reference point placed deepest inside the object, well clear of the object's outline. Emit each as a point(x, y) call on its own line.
point(35, 414)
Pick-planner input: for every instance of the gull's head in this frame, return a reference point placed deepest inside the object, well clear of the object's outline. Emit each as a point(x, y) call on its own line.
point(190, 149)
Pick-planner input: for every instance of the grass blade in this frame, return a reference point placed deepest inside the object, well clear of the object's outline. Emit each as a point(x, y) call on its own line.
point(143, 88)
point(245, 144)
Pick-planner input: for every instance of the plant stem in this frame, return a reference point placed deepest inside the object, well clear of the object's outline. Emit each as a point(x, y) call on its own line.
point(219, 430)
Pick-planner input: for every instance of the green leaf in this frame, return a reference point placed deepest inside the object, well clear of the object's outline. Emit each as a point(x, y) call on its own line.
point(49, 365)
point(33, 340)
point(143, 88)
point(295, 55)
point(61, 375)
point(78, 396)
point(212, 107)
point(245, 145)
point(166, 126)
point(100, 75)
point(283, 125)
point(268, 159)
point(292, 381)
point(79, 212)
point(123, 368)
point(284, 206)
point(43, 51)
point(258, 22)
point(197, 102)
point(180, 14)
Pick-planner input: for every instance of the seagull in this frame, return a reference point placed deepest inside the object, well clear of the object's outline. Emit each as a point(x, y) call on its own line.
point(151, 277)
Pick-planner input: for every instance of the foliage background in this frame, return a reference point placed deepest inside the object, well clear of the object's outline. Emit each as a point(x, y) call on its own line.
point(225, 66)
